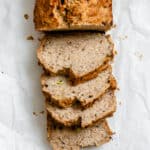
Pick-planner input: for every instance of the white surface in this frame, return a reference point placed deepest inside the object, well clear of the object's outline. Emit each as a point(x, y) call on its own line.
point(20, 92)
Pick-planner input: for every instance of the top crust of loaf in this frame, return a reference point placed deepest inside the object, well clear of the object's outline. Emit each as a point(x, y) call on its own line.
point(62, 138)
point(80, 55)
point(55, 15)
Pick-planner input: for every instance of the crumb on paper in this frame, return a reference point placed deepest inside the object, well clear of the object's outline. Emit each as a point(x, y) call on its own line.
point(26, 16)
point(114, 26)
point(30, 38)
point(42, 112)
point(35, 114)
point(120, 103)
point(139, 55)
point(123, 37)
point(2, 72)
point(115, 52)
point(38, 113)
point(118, 89)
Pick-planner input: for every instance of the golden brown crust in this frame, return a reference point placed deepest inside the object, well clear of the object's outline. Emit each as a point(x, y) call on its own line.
point(48, 14)
point(69, 15)
point(106, 126)
point(95, 12)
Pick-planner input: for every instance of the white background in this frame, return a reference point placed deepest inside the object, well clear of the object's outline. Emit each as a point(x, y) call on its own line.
point(20, 91)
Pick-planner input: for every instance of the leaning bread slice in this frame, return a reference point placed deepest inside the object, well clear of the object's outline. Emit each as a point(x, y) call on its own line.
point(62, 138)
point(52, 15)
point(80, 55)
point(61, 92)
point(104, 106)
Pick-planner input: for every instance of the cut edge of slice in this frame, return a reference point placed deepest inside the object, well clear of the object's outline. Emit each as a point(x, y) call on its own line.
point(69, 72)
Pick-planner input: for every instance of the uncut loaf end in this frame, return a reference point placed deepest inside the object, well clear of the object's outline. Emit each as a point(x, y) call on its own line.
point(50, 15)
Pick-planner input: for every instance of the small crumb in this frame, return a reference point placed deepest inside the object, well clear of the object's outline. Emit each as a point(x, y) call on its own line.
point(120, 103)
point(118, 89)
point(139, 55)
point(126, 36)
point(114, 26)
point(30, 38)
point(115, 52)
point(42, 112)
point(26, 16)
point(35, 114)
point(2, 72)
point(123, 37)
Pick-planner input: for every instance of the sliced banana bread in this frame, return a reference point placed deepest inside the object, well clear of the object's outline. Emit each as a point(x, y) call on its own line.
point(62, 138)
point(52, 15)
point(105, 106)
point(80, 55)
point(61, 92)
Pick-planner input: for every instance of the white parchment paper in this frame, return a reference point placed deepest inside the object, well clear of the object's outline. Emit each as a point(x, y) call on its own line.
point(20, 91)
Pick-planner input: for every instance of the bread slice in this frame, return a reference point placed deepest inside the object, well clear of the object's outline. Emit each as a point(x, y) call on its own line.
point(80, 55)
point(61, 92)
point(62, 138)
point(105, 106)
point(55, 15)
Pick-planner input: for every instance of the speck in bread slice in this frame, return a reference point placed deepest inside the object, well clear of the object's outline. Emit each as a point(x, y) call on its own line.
point(61, 92)
point(103, 107)
point(81, 56)
point(50, 15)
point(63, 138)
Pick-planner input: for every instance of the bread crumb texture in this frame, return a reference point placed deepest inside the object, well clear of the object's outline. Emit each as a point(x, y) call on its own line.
point(62, 138)
point(79, 55)
point(75, 115)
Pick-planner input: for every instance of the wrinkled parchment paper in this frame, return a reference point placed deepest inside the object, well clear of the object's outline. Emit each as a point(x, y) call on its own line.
point(22, 122)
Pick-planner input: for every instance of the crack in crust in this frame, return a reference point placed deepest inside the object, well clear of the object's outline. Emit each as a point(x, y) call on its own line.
point(69, 15)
